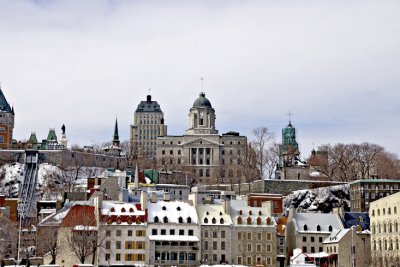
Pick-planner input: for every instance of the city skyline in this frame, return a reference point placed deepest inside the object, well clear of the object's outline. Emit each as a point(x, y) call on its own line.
point(332, 64)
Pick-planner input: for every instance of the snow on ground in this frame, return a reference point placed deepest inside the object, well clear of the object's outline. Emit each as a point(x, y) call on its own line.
point(13, 177)
point(322, 199)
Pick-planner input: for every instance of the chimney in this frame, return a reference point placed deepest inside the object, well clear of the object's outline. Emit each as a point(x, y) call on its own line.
point(153, 197)
point(143, 200)
point(148, 98)
point(167, 197)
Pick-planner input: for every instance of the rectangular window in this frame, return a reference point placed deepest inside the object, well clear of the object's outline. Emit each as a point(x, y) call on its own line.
point(129, 232)
point(128, 257)
point(239, 235)
point(249, 247)
point(258, 248)
point(206, 245)
point(190, 232)
point(118, 232)
point(108, 244)
point(107, 257)
point(163, 232)
point(181, 232)
point(304, 239)
point(154, 231)
point(108, 233)
point(222, 245)
point(172, 231)
point(118, 245)
point(215, 245)
point(259, 236)
point(268, 248)
point(249, 236)
point(222, 234)
point(239, 260)
point(117, 257)
point(268, 236)
point(312, 239)
point(215, 234)
point(206, 234)
point(140, 233)
point(249, 260)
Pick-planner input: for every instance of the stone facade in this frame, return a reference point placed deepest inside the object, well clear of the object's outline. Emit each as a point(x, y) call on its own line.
point(6, 122)
point(364, 192)
point(384, 214)
point(208, 157)
point(148, 125)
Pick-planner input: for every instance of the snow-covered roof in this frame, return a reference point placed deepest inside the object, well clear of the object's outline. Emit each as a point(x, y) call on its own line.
point(239, 208)
point(187, 238)
point(55, 218)
point(317, 222)
point(121, 208)
point(336, 236)
point(213, 215)
point(172, 210)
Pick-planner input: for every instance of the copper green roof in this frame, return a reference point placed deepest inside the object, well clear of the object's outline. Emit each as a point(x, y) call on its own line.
point(202, 102)
point(375, 181)
point(52, 137)
point(33, 139)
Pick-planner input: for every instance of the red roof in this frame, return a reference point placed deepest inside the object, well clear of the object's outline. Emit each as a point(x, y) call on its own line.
point(79, 215)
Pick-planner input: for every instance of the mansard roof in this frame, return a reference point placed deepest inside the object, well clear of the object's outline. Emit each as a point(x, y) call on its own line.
point(173, 211)
point(148, 106)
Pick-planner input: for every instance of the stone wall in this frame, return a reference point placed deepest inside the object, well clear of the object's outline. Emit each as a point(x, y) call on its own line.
point(65, 158)
point(284, 187)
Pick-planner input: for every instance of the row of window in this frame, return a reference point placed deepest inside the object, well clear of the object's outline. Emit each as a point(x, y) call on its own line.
point(214, 234)
point(249, 221)
point(385, 228)
point(330, 228)
point(249, 235)
point(389, 211)
point(312, 239)
point(165, 219)
point(128, 233)
point(249, 247)
point(128, 245)
point(387, 245)
point(214, 245)
point(381, 186)
point(320, 249)
point(249, 259)
point(128, 257)
point(190, 232)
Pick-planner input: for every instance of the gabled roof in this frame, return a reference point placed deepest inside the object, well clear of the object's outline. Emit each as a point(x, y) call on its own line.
point(336, 236)
point(80, 215)
point(314, 220)
point(203, 140)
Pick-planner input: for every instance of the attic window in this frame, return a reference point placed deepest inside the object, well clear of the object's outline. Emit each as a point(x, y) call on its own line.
point(112, 209)
point(330, 228)
point(189, 220)
point(220, 213)
point(180, 220)
point(250, 212)
point(240, 212)
point(269, 221)
point(207, 213)
point(123, 210)
point(205, 220)
point(258, 221)
point(156, 220)
point(165, 219)
point(239, 220)
point(164, 208)
point(259, 212)
point(214, 221)
point(318, 228)
point(221, 221)
point(178, 208)
point(129, 220)
point(248, 220)
point(130, 209)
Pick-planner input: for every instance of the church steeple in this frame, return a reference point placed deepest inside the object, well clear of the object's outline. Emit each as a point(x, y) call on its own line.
point(115, 140)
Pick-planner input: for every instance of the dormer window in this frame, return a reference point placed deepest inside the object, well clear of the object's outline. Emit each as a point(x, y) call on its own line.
point(318, 228)
point(258, 221)
point(180, 220)
point(248, 220)
point(112, 209)
point(205, 220)
point(207, 213)
point(250, 212)
point(305, 228)
point(130, 209)
point(164, 208)
point(214, 221)
point(239, 220)
point(240, 212)
point(189, 220)
point(330, 228)
point(220, 213)
point(269, 221)
point(123, 210)
point(259, 212)
point(221, 221)
point(178, 208)
point(165, 219)
point(156, 220)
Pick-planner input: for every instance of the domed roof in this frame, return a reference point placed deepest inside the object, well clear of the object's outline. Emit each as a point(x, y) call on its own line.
point(202, 102)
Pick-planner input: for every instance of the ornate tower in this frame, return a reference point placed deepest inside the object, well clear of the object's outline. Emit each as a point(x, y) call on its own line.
point(6, 122)
point(201, 117)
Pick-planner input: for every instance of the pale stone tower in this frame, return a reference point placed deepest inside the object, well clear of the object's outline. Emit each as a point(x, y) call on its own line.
point(201, 117)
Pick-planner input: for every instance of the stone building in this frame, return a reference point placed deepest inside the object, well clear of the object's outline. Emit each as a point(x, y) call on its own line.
point(307, 231)
point(254, 241)
point(148, 125)
point(6, 122)
point(208, 158)
point(364, 192)
point(385, 231)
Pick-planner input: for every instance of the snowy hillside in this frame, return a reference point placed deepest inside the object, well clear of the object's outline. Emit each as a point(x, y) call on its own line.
point(322, 199)
point(50, 177)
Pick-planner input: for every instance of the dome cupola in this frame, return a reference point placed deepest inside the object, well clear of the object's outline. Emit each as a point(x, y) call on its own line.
point(202, 101)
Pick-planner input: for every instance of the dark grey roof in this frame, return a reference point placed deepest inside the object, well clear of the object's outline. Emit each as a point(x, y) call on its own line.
point(202, 102)
point(148, 106)
point(4, 106)
point(356, 219)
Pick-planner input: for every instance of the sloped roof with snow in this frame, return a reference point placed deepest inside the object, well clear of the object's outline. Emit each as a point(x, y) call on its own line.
point(172, 210)
point(122, 213)
point(242, 214)
point(79, 215)
point(213, 215)
point(313, 220)
point(336, 236)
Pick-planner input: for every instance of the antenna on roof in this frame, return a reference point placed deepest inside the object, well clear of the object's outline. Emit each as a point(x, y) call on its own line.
point(149, 90)
point(202, 84)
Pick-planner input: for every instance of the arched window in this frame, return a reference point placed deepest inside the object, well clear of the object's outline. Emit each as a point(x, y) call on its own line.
point(374, 246)
point(156, 220)
point(305, 227)
point(330, 228)
point(259, 212)
point(221, 221)
point(373, 212)
point(373, 229)
point(205, 220)
point(112, 209)
point(164, 208)
point(318, 228)
point(239, 220)
point(258, 221)
point(214, 221)
point(189, 220)
point(178, 208)
point(130, 209)
point(123, 210)
point(165, 220)
point(250, 212)
point(180, 220)
point(269, 221)
point(379, 212)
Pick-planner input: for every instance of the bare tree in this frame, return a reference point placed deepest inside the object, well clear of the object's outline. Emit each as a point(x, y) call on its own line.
point(47, 242)
point(262, 138)
point(271, 159)
point(248, 162)
point(8, 237)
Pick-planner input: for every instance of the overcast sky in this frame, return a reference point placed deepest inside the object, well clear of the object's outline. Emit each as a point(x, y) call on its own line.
point(334, 64)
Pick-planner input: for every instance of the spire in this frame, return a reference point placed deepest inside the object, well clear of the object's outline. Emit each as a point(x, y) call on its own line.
point(116, 136)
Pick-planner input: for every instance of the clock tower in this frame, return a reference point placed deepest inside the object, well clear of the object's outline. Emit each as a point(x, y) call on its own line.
point(202, 117)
